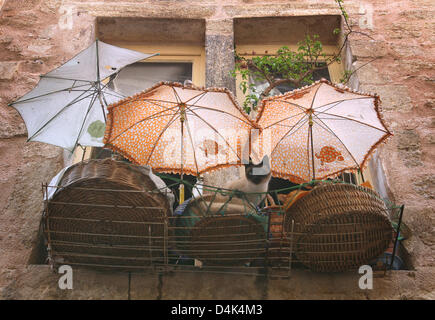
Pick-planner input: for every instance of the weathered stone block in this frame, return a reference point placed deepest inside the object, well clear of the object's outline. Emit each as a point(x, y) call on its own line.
point(393, 97)
point(369, 74)
point(326, 286)
point(417, 14)
point(145, 286)
point(32, 66)
point(186, 285)
point(41, 48)
point(11, 124)
point(22, 4)
point(40, 282)
point(407, 50)
point(368, 48)
point(425, 186)
point(409, 145)
point(8, 70)
point(404, 30)
point(415, 65)
point(219, 50)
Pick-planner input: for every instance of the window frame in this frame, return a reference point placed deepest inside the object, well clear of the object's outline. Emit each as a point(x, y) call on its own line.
point(194, 54)
point(336, 69)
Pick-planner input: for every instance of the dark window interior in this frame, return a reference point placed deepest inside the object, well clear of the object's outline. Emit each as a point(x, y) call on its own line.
point(143, 75)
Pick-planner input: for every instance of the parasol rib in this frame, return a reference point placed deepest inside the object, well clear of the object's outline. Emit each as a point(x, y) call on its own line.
point(312, 149)
point(173, 119)
point(286, 134)
point(58, 91)
point(343, 100)
point(193, 146)
point(311, 129)
point(328, 129)
point(99, 80)
point(117, 95)
point(59, 112)
point(98, 60)
point(91, 103)
point(153, 101)
point(61, 78)
point(330, 107)
point(350, 119)
point(293, 104)
point(203, 94)
point(287, 118)
point(176, 96)
point(151, 117)
point(315, 94)
point(308, 154)
point(208, 124)
point(217, 110)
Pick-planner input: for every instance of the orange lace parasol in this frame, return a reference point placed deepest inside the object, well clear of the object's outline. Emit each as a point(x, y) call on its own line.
point(319, 131)
point(179, 129)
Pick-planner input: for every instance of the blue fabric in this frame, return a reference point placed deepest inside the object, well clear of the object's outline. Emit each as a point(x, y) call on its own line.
point(181, 207)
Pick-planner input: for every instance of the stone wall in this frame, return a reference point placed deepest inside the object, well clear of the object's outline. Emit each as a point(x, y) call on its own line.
point(402, 44)
point(35, 37)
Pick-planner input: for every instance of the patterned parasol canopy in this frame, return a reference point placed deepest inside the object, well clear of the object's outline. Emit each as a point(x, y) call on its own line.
point(179, 129)
point(319, 131)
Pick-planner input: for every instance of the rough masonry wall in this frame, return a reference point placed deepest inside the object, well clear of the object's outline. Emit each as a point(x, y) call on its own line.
point(35, 37)
point(400, 52)
point(31, 43)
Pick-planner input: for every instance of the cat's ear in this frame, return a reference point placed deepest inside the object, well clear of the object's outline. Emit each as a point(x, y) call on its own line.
point(266, 160)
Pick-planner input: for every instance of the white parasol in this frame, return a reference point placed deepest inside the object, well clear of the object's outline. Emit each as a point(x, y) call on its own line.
point(68, 106)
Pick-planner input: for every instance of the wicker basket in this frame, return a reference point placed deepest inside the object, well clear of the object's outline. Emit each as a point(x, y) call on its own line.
point(338, 227)
point(98, 218)
point(233, 238)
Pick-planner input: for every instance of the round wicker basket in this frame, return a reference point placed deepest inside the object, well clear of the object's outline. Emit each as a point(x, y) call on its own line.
point(106, 213)
point(233, 238)
point(338, 227)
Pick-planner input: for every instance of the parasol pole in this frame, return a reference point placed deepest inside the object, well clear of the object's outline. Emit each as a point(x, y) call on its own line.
point(362, 175)
point(84, 152)
point(310, 123)
point(98, 79)
point(182, 118)
point(402, 207)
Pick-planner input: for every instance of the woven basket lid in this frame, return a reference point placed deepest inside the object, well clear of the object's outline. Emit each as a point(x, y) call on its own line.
point(231, 237)
point(338, 227)
point(107, 213)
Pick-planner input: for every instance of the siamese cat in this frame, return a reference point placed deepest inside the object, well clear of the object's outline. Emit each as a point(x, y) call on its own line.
point(256, 179)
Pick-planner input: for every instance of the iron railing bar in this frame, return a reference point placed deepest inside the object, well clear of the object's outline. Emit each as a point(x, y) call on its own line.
point(105, 205)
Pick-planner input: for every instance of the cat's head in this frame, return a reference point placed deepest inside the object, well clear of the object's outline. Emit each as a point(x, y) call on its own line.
point(258, 173)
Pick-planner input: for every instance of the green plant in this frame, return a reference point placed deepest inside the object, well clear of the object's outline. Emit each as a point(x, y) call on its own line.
point(294, 67)
point(289, 67)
